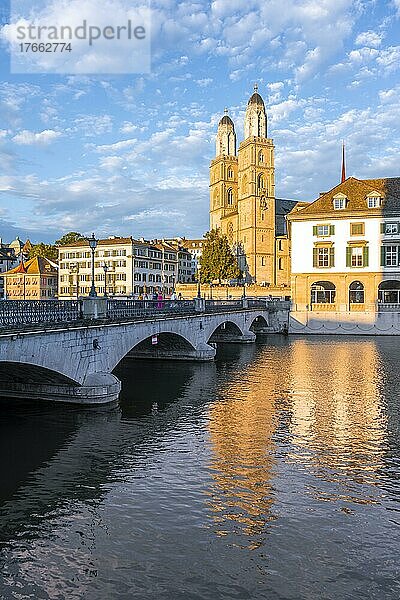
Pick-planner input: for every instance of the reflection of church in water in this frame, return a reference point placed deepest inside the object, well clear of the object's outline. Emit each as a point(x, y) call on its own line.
point(242, 197)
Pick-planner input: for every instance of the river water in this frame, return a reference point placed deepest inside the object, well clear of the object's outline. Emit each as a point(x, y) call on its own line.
point(272, 473)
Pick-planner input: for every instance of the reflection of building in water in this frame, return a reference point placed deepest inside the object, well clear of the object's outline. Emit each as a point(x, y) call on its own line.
point(336, 408)
point(241, 427)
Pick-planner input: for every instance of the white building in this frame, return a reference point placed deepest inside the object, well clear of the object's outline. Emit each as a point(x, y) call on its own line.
point(123, 267)
point(345, 259)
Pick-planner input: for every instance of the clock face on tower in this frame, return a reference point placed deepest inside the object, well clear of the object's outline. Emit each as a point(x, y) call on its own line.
point(263, 203)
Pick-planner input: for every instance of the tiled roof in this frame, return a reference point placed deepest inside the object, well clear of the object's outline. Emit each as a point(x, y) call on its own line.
point(356, 192)
point(35, 266)
point(106, 242)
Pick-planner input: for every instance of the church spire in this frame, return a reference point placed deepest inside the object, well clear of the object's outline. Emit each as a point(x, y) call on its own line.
point(343, 164)
point(255, 121)
point(226, 136)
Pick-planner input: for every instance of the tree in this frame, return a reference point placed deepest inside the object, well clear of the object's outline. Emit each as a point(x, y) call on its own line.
point(45, 250)
point(218, 260)
point(69, 238)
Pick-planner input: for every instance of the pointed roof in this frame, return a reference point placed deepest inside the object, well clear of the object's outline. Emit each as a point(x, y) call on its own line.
point(356, 192)
point(255, 98)
point(226, 120)
point(35, 266)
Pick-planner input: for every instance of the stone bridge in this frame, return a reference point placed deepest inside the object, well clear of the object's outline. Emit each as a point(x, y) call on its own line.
point(73, 360)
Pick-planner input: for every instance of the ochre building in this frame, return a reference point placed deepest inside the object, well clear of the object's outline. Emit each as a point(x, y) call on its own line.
point(34, 279)
point(242, 198)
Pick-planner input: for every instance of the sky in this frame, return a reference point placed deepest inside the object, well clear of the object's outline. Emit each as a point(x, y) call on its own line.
point(129, 154)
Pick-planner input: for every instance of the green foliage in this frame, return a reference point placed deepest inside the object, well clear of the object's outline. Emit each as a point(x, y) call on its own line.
point(69, 238)
point(217, 261)
point(45, 250)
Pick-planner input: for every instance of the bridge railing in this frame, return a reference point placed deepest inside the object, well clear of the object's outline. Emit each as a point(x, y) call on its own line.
point(117, 309)
point(15, 313)
point(20, 313)
point(217, 305)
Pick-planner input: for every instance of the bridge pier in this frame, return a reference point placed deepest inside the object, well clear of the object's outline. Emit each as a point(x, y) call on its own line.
point(98, 388)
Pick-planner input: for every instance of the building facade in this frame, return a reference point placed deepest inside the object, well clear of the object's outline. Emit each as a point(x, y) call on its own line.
point(123, 267)
point(242, 198)
point(34, 279)
point(10, 255)
point(346, 255)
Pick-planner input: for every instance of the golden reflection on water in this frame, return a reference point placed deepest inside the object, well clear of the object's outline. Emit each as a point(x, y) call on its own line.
point(241, 426)
point(325, 397)
point(336, 406)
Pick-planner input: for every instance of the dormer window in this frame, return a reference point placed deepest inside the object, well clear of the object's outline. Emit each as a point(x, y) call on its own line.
point(374, 201)
point(339, 202)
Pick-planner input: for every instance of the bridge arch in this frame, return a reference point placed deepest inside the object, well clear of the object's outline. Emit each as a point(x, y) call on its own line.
point(162, 345)
point(226, 329)
point(259, 324)
point(30, 373)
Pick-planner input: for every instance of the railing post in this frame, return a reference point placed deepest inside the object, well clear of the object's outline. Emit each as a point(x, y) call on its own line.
point(199, 304)
point(94, 308)
point(245, 302)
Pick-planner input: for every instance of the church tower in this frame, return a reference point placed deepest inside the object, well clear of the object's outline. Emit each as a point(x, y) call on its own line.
point(223, 181)
point(256, 189)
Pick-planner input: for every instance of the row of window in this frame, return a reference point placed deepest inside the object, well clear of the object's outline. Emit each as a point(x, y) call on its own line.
point(373, 200)
point(356, 256)
point(327, 230)
point(324, 292)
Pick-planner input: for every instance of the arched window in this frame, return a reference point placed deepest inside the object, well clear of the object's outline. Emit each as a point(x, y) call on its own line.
point(261, 182)
point(323, 292)
point(229, 197)
point(389, 292)
point(261, 156)
point(230, 173)
point(356, 293)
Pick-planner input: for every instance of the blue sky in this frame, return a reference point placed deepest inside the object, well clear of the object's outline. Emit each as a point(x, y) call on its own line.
point(129, 154)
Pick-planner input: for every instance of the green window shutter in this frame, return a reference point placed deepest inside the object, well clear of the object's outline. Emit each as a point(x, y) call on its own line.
point(315, 230)
point(382, 227)
point(331, 230)
point(365, 256)
point(331, 257)
point(383, 256)
point(348, 256)
point(315, 257)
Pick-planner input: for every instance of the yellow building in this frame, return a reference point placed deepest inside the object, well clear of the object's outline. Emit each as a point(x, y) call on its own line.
point(34, 279)
point(242, 198)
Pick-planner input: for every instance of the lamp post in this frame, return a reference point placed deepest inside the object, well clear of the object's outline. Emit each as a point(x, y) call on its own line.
point(74, 270)
point(198, 281)
point(105, 269)
point(93, 245)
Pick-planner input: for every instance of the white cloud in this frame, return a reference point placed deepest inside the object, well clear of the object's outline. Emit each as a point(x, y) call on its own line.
point(204, 82)
point(30, 138)
point(369, 38)
point(101, 55)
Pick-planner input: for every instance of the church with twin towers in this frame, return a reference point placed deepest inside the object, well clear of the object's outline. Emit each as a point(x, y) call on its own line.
point(242, 198)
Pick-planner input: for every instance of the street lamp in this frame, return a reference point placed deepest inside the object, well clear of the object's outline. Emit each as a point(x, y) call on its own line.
point(198, 280)
point(74, 270)
point(93, 245)
point(105, 269)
